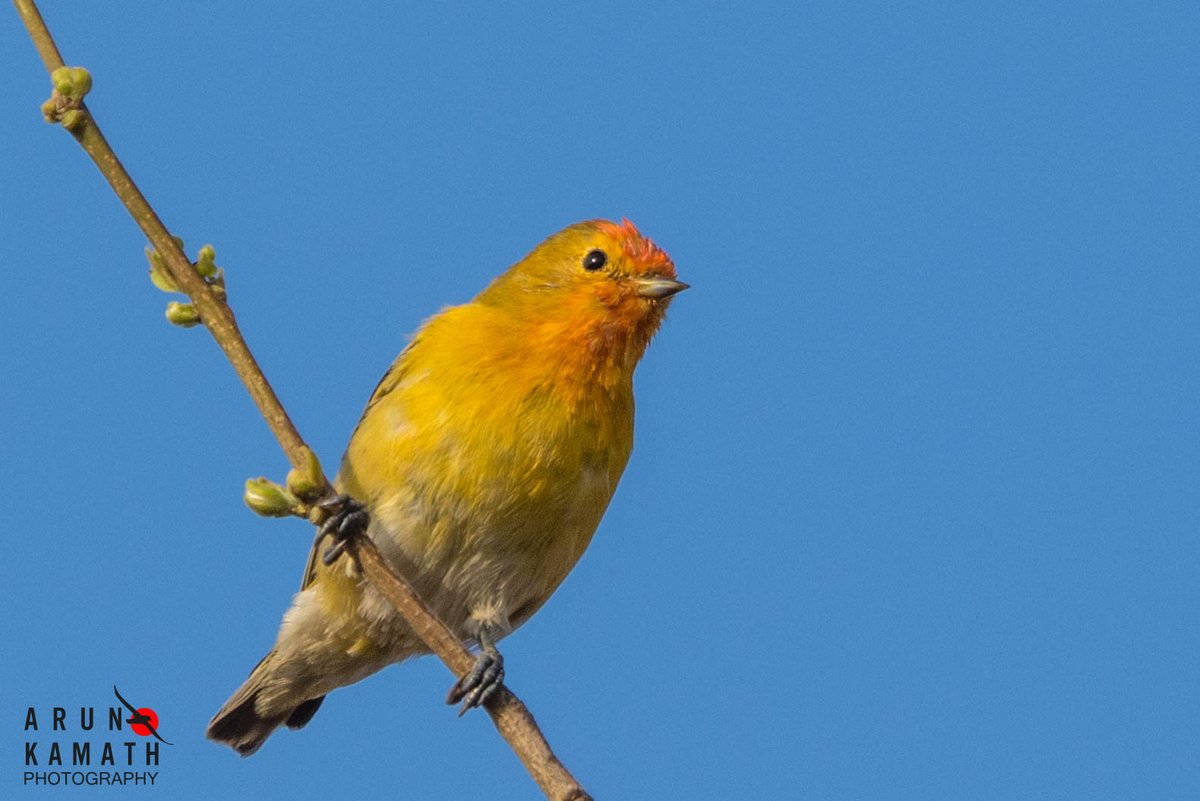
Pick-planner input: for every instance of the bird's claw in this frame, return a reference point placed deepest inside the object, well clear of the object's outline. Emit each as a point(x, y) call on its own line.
point(481, 683)
point(348, 517)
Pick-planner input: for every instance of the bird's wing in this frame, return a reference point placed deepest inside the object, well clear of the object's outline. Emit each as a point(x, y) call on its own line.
point(394, 375)
point(390, 380)
point(310, 567)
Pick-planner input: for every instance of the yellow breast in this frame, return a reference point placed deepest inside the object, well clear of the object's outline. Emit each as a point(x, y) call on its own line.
point(470, 446)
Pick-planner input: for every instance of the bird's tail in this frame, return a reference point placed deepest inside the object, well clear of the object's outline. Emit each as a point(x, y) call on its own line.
point(245, 722)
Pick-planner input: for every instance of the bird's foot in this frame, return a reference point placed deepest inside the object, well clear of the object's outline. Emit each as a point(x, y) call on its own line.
point(485, 678)
point(347, 518)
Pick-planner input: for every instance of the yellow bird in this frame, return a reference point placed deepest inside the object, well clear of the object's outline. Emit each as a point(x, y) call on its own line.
point(485, 459)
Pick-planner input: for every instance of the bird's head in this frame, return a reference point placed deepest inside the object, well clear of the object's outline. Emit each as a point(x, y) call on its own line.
point(598, 284)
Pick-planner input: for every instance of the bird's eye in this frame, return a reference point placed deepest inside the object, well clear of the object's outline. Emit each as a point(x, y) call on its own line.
point(594, 260)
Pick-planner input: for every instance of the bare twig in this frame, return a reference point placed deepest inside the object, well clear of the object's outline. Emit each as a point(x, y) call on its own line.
point(511, 717)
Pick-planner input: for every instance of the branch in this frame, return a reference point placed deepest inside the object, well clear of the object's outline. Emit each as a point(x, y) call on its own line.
point(510, 716)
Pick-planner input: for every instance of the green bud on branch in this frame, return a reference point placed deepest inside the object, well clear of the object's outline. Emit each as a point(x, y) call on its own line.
point(71, 82)
point(307, 482)
point(205, 262)
point(159, 275)
point(65, 105)
point(268, 499)
point(183, 315)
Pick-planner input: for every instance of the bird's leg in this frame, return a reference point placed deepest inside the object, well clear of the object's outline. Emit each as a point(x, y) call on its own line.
point(484, 679)
point(347, 518)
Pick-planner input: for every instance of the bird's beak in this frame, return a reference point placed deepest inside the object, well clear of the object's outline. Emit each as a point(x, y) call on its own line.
point(658, 288)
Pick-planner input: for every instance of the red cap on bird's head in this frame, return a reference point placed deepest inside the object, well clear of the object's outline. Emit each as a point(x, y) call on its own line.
point(645, 257)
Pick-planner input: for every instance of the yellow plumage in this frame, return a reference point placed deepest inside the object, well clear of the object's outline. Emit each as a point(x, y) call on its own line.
point(486, 458)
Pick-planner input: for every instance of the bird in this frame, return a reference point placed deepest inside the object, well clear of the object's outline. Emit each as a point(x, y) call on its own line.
point(484, 462)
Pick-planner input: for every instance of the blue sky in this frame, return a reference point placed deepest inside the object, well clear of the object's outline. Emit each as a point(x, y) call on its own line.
point(912, 511)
